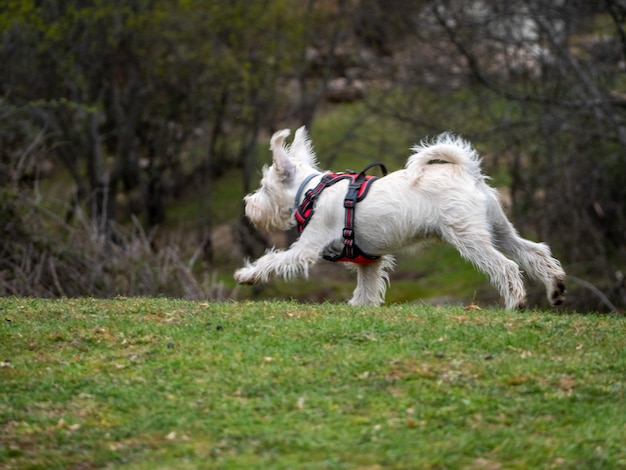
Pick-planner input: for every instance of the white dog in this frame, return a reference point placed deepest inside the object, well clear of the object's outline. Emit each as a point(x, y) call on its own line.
point(440, 193)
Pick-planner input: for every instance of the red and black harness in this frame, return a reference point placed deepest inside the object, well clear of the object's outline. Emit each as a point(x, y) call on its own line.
point(357, 190)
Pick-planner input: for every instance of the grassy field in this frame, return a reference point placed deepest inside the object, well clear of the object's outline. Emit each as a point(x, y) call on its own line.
point(157, 383)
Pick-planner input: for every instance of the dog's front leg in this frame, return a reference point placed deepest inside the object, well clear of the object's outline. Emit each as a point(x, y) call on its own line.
point(287, 264)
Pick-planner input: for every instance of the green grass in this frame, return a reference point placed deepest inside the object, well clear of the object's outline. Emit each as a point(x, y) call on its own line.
point(158, 383)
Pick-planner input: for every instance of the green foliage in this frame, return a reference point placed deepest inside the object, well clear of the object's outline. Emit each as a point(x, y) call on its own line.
point(145, 383)
point(16, 12)
point(138, 80)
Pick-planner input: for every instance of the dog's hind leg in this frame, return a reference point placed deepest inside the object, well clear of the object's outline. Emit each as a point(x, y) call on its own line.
point(474, 244)
point(535, 258)
point(372, 280)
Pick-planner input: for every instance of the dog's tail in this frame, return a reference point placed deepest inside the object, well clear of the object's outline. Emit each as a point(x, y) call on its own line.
point(446, 148)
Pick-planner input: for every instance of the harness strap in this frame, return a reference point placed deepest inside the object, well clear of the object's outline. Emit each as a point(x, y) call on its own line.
point(301, 188)
point(357, 190)
point(304, 211)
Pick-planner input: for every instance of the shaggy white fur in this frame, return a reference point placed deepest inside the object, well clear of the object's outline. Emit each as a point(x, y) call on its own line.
point(440, 193)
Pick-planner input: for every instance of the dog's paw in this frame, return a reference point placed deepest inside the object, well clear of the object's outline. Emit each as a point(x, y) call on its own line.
point(333, 249)
point(246, 276)
point(557, 296)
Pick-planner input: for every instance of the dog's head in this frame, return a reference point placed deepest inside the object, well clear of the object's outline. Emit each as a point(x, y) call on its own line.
point(271, 206)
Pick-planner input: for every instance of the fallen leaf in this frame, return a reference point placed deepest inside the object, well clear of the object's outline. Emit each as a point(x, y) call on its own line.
point(472, 307)
point(567, 384)
point(300, 403)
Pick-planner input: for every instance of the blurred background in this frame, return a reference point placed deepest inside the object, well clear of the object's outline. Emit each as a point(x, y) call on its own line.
point(130, 130)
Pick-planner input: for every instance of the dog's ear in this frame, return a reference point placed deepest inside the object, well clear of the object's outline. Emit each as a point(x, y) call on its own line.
point(285, 169)
point(302, 148)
